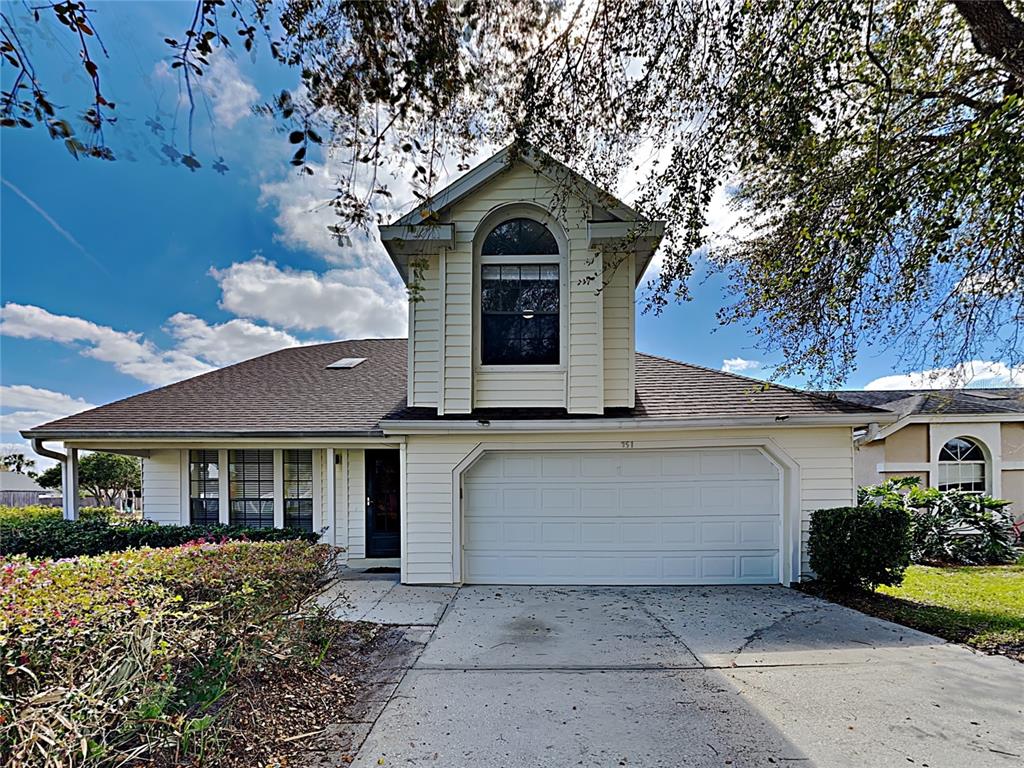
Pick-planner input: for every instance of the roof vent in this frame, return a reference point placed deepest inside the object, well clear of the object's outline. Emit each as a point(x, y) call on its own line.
point(347, 362)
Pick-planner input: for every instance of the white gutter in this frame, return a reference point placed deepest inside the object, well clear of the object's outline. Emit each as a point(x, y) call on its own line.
point(38, 447)
point(404, 427)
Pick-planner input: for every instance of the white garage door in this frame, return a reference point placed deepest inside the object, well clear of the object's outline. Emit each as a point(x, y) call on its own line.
point(622, 517)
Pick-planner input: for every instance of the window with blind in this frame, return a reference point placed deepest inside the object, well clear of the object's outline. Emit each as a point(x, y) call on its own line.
point(204, 488)
point(298, 489)
point(251, 488)
point(519, 295)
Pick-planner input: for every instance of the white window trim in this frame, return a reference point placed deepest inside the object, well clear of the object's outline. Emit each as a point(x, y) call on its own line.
point(323, 511)
point(487, 224)
point(986, 462)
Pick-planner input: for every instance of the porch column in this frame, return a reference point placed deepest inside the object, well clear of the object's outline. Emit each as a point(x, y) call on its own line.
point(69, 485)
point(328, 505)
point(403, 513)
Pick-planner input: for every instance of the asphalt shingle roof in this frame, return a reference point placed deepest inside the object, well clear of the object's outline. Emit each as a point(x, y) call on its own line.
point(289, 391)
point(292, 392)
point(907, 402)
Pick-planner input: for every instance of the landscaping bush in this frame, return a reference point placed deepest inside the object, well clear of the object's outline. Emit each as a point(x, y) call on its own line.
point(57, 538)
point(860, 547)
point(33, 512)
point(949, 527)
point(112, 659)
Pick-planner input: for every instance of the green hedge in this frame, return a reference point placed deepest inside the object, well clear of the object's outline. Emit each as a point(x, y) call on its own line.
point(34, 512)
point(860, 547)
point(130, 658)
point(49, 538)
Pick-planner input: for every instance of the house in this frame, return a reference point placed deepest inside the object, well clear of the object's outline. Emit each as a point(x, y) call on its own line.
point(971, 439)
point(516, 436)
point(18, 490)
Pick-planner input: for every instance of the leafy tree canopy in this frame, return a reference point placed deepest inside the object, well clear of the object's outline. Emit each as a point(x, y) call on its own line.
point(871, 150)
point(51, 478)
point(18, 462)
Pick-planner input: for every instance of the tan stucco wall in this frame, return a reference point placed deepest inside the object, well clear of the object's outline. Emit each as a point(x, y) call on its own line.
point(922, 475)
point(1013, 441)
point(909, 444)
point(1013, 490)
point(866, 458)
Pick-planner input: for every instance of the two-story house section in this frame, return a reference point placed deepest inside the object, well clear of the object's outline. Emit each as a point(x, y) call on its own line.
point(516, 436)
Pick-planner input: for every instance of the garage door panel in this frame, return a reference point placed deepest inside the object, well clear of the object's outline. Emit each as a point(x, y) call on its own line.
point(640, 568)
point(707, 516)
point(612, 535)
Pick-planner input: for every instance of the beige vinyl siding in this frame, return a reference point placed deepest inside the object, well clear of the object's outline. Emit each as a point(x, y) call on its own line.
point(163, 493)
point(425, 339)
point(824, 456)
point(356, 503)
point(586, 321)
point(519, 389)
point(618, 334)
point(457, 355)
point(579, 384)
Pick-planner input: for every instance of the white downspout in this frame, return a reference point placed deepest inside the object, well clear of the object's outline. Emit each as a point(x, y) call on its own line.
point(69, 476)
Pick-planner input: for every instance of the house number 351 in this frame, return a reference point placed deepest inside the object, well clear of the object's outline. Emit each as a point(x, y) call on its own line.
point(627, 443)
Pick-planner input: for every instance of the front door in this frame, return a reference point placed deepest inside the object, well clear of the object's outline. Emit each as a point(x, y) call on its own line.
point(383, 504)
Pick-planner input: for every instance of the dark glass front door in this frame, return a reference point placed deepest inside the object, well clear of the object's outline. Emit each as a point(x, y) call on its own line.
point(383, 504)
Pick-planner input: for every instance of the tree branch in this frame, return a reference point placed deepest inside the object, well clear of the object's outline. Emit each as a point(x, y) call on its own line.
point(996, 32)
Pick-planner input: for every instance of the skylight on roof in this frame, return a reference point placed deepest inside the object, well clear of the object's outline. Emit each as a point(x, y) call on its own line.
point(347, 362)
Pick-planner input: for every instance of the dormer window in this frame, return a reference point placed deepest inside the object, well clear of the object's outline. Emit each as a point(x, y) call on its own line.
point(519, 295)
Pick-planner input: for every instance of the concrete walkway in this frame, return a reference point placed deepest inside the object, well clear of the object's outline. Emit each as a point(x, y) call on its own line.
point(673, 676)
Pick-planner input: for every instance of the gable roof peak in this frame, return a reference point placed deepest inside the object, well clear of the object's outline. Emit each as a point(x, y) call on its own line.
point(505, 158)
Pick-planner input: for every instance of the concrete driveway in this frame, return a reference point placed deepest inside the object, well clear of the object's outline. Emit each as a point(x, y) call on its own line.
point(674, 676)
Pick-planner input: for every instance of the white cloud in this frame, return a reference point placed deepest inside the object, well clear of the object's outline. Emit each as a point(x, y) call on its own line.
point(28, 406)
point(739, 365)
point(201, 346)
point(974, 373)
point(228, 342)
point(25, 396)
point(351, 303)
point(128, 351)
point(229, 93)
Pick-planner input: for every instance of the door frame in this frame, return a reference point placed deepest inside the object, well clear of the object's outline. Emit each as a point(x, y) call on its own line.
point(368, 528)
point(789, 482)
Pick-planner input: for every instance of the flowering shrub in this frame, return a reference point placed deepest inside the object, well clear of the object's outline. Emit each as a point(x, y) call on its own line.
point(113, 657)
point(66, 538)
point(35, 512)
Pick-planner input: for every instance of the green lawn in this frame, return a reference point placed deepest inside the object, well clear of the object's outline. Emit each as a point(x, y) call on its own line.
point(980, 606)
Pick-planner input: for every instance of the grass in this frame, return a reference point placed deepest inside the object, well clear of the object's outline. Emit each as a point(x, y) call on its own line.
point(979, 606)
point(982, 606)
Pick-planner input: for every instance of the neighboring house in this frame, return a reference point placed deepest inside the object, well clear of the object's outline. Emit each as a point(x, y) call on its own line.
point(18, 490)
point(951, 438)
point(516, 436)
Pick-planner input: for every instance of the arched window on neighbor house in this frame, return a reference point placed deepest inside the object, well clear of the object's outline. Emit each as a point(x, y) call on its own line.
point(962, 466)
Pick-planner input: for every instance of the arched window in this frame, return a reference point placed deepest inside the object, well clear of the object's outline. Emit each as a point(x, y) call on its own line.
point(519, 295)
point(962, 466)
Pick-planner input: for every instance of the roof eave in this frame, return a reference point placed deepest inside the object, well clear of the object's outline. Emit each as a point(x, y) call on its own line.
point(127, 434)
point(434, 426)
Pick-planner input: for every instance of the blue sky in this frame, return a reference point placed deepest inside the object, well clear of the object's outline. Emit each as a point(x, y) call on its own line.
point(119, 276)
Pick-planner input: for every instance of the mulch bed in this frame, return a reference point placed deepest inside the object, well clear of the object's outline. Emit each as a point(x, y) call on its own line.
point(903, 612)
point(286, 713)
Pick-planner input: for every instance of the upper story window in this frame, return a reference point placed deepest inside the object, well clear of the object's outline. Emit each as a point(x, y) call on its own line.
point(519, 295)
point(961, 466)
